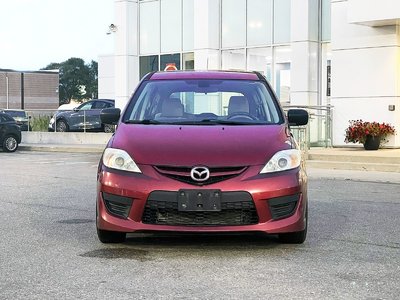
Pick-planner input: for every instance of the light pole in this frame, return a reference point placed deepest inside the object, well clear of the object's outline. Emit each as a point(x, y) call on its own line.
point(7, 93)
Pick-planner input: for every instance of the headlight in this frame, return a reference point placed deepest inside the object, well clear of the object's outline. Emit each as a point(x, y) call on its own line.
point(51, 121)
point(120, 160)
point(283, 160)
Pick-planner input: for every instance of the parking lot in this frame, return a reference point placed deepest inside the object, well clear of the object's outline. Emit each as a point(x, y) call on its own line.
point(49, 248)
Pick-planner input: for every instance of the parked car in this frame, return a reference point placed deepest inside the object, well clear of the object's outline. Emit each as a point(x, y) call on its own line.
point(21, 117)
point(10, 133)
point(84, 117)
point(202, 151)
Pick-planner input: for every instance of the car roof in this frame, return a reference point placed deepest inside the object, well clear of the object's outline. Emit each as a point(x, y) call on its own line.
point(236, 75)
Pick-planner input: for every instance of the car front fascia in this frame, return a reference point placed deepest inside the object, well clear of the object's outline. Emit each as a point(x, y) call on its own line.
point(262, 187)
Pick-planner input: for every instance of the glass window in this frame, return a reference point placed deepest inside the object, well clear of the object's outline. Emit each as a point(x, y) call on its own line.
point(188, 25)
point(259, 22)
point(326, 20)
point(149, 31)
point(188, 61)
point(260, 59)
point(281, 21)
point(170, 60)
point(171, 16)
point(282, 73)
point(86, 106)
point(248, 103)
point(148, 64)
point(233, 23)
point(234, 59)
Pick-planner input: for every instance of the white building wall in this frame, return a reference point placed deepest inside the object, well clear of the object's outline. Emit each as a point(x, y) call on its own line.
point(106, 78)
point(365, 71)
point(373, 12)
point(126, 50)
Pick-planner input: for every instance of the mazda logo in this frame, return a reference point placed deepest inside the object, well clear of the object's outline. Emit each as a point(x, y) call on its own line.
point(200, 174)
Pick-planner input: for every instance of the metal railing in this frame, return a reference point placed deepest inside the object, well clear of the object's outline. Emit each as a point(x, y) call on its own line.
point(50, 113)
point(318, 131)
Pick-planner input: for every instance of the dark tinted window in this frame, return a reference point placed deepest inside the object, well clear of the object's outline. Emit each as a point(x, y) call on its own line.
point(101, 105)
point(148, 64)
point(6, 118)
point(16, 113)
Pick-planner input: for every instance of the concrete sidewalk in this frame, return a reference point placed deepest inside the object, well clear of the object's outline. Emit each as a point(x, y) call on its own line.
point(383, 160)
point(80, 148)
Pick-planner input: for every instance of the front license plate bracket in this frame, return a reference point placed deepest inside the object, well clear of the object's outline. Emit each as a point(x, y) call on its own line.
point(199, 200)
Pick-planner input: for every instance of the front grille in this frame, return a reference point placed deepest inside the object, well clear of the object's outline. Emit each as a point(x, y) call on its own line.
point(216, 174)
point(237, 208)
point(117, 205)
point(283, 207)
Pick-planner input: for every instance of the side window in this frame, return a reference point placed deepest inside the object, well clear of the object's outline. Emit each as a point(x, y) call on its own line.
point(86, 106)
point(100, 105)
point(2, 119)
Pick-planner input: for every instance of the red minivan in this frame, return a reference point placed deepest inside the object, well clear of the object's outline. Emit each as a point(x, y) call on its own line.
point(202, 151)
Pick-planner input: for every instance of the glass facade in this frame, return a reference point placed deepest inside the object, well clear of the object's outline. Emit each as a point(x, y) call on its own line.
point(148, 64)
point(171, 26)
point(282, 21)
point(326, 20)
point(169, 60)
point(254, 35)
point(149, 27)
point(233, 23)
point(188, 25)
point(259, 25)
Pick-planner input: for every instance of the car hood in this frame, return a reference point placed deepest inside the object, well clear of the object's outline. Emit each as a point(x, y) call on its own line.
point(172, 145)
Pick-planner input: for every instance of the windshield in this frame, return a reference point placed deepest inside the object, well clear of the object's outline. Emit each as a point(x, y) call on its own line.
point(16, 113)
point(187, 102)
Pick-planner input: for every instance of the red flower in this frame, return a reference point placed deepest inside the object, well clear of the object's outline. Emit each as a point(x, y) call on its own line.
point(358, 130)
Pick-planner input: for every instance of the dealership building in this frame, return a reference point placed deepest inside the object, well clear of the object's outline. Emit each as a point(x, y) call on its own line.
point(338, 54)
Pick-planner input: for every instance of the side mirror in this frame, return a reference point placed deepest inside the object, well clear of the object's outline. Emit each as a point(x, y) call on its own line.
point(110, 115)
point(297, 117)
point(75, 109)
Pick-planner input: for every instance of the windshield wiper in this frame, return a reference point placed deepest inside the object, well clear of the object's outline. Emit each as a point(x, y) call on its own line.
point(145, 122)
point(215, 122)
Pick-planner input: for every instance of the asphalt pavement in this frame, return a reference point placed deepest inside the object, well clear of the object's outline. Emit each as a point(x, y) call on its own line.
point(49, 248)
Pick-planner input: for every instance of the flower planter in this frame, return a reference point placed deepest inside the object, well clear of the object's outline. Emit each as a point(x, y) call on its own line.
point(372, 142)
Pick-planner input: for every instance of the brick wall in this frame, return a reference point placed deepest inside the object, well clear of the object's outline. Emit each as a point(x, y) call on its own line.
point(40, 89)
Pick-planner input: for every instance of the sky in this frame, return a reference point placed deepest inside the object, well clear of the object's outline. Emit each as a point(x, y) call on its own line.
point(35, 33)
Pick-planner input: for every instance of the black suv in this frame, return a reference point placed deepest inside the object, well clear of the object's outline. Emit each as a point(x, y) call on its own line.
point(10, 133)
point(21, 117)
point(84, 117)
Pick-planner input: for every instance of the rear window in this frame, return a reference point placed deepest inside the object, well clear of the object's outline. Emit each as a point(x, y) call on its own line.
point(203, 101)
point(16, 113)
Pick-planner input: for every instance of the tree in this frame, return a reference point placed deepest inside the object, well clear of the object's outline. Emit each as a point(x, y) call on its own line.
point(77, 81)
point(92, 86)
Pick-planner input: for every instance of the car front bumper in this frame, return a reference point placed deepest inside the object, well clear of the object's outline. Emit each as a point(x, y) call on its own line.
point(138, 189)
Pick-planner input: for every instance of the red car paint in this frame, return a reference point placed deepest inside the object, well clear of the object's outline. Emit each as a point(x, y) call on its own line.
point(214, 146)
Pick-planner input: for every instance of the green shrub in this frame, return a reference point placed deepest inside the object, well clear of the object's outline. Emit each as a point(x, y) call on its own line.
point(40, 123)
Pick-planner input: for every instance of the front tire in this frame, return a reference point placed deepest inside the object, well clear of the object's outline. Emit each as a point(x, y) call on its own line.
point(108, 128)
point(107, 237)
point(61, 126)
point(10, 144)
point(295, 237)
